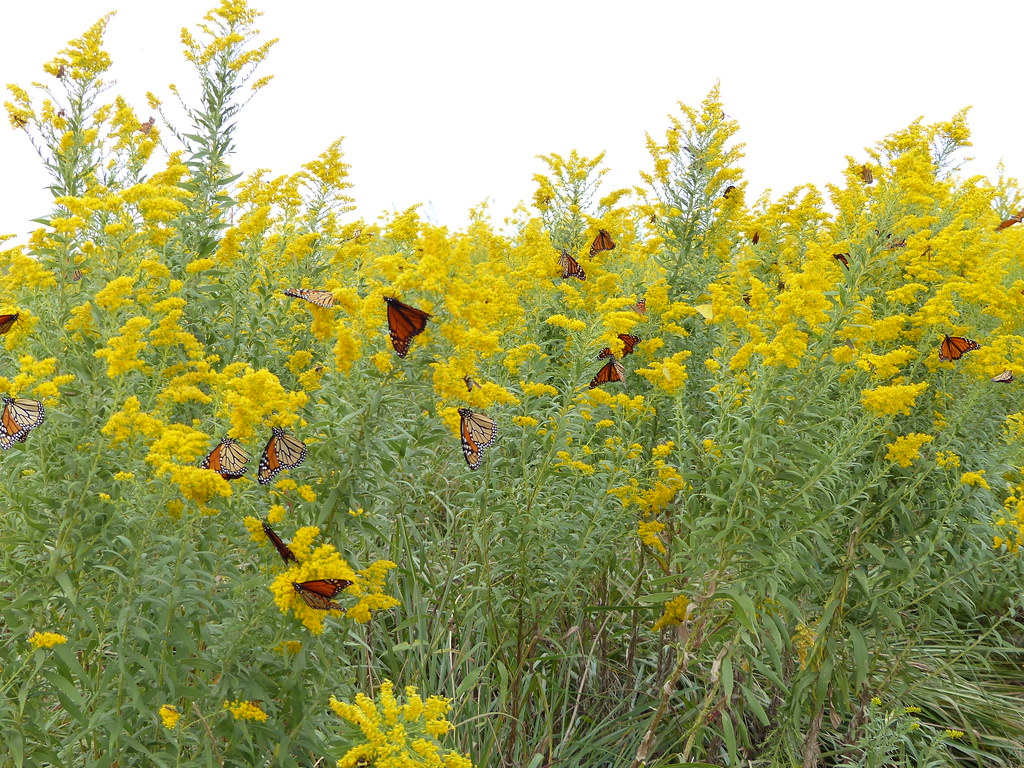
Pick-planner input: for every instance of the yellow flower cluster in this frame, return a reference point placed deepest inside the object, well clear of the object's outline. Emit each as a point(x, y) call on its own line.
point(676, 611)
point(398, 735)
point(46, 639)
point(907, 448)
point(648, 531)
point(246, 710)
point(892, 400)
point(170, 716)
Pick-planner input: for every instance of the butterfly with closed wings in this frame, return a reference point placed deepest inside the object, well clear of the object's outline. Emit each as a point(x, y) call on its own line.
point(19, 417)
point(570, 267)
point(282, 549)
point(316, 296)
point(404, 324)
point(228, 460)
point(478, 431)
point(281, 452)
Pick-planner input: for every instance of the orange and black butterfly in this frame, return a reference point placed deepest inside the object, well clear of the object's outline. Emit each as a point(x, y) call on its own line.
point(728, 191)
point(1011, 221)
point(628, 342)
point(227, 459)
point(20, 416)
point(641, 306)
point(404, 323)
point(570, 267)
point(282, 549)
point(1003, 378)
point(612, 371)
point(75, 275)
point(842, 258)
point(746, 299)
point(6, 321)
point(147, 126)
point(955, 347)
point(478, 431)
point(866, 175)
point(318, 592)
point(281, 452)
point(756, 238)
point(316, 296)
point(471, 383)
point(603, 242)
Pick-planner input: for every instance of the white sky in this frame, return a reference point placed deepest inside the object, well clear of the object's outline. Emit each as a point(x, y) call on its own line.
point(448, 102)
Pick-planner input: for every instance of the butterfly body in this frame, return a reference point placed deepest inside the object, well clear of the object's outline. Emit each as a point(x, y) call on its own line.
point(477, 431)
point(282, 549)
point(612, 371)
point(603, 242)
point(628, 342)
point(955, 347)
point(19, 417)
point(281, 452)
point(866, 175)
point(640, 307)
point(1015, 219)
point(318, 592)
point(570, 267)
point(228, 460)
point(404, 324)
point(471, 383)
point(316, 296)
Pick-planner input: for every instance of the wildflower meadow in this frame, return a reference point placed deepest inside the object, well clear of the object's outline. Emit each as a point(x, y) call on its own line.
point(663, 476)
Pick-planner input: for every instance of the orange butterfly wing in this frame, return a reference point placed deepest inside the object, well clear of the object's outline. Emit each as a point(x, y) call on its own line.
point(570, 267)
point(955, 347)
point(6, 321)
point(628, 342)
point(282, 549)
point(318, 592)
point(603, 242)
point(612, 371)
point(842, 258)
point(404, 323)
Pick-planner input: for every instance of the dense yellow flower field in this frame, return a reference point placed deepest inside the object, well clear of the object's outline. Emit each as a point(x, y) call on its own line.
point(651, 477)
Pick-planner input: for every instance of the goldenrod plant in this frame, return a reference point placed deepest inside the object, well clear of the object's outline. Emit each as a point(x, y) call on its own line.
point(756, 463)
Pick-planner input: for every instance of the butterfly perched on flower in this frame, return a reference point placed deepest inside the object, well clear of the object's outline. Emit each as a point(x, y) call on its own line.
point(641, 306)
point(6, 321)
point(478, 431)
point(603, 242)
point(316, 296)
point(756, 238)
point(282, 549)
point(955, 347)
point(1003, 378)
point(19, 417)
point(570, 267)
point(611, 372)
point(147, 126)
point(75, 275)
point(281, 452)
point(471, 383)
point(228, 459)
point(318, 592)
point(866, 175)
point(404, 323)
point(628, 342)
point(1015, 219)
point(842, 258)
point(728, 191)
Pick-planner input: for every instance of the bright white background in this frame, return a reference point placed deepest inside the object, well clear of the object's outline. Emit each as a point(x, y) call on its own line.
point(448, 102)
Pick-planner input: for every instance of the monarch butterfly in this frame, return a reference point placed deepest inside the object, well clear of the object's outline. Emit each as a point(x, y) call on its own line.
point(603, 242)
point(316, 296)
point(478, 431)
point(865, 174)
point(612, 371)
point(404, 323)
point(842, 258)
point(227, 459)
point(6, 321)
point(955, 347)
point(75, 276)
point(1016, 219)
point(20, 416)
point(318, 593)
point(756, 238)
point(570, 267)
point(628, 342)
point(728, 191)
point(640, 307)
point(281, 452)
point(147, 126)
point(471, 383)
point(1003, 378)
point(282, 549)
